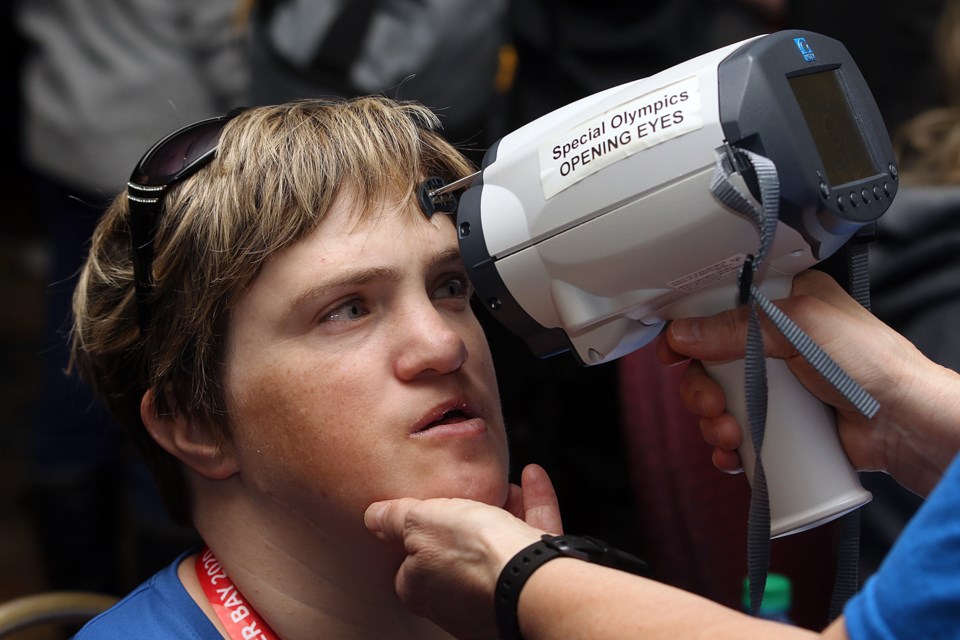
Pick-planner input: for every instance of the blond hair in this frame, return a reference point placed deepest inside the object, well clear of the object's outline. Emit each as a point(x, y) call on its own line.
point(278, 170)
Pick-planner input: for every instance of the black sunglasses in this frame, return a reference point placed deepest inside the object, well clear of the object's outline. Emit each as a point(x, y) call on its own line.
point(174, 159)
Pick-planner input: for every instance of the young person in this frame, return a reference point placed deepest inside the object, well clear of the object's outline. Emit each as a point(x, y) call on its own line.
point(288, 338)
point(458, 548)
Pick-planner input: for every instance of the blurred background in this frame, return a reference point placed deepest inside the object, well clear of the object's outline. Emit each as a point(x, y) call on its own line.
point(94, 82)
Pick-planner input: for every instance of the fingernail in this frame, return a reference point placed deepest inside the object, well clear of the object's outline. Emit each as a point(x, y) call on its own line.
point(678, 363)
point(373, 519)
point(687, 331)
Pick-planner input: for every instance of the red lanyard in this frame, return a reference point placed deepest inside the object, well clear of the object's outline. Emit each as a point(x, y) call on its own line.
point(241, 620)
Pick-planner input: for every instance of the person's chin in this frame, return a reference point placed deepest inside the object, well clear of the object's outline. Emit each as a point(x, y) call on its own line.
point(488, 485)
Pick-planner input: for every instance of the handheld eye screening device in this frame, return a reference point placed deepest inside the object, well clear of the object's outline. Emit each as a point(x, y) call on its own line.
point(590, 227)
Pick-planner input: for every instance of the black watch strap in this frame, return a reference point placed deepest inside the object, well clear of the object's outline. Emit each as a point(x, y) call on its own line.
point(531, 558)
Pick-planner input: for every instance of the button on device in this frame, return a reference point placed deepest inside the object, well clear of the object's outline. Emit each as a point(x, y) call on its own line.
point(865, 196)
point(876, 192)
point(886, 189)
point(853, 198)
point(840, 204)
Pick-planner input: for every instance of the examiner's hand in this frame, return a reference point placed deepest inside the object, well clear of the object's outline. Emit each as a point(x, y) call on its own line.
point(915, 434)
point(457, 548)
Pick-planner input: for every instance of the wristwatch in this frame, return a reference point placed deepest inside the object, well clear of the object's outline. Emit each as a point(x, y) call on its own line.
point(529, 559)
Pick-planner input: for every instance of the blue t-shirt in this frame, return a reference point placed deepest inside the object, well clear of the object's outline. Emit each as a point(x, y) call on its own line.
point(916, 591)
point(158, 608)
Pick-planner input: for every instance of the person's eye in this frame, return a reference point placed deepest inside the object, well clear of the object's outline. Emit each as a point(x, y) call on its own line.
point(347, 311)
point(456, 286)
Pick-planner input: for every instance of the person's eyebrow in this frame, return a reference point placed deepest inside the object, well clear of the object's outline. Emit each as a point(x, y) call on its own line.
point(350, 278)
point(444, 258)
point(366, 275)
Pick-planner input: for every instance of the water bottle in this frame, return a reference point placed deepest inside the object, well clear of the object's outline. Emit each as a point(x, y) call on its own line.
point(776, 598)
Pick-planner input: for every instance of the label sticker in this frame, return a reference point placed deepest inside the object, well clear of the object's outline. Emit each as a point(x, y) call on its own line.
point(711, 274)
point(643, 122)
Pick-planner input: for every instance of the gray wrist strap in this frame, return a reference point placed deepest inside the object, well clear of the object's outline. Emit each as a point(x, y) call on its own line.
point(765, 219)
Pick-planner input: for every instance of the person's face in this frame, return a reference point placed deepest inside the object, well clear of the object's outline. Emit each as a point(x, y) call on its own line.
point(356, 371)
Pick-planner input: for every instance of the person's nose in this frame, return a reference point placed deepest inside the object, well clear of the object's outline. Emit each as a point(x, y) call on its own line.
point(428, 344)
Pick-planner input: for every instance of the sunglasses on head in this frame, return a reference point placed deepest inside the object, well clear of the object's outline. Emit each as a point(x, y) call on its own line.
point(170, 161)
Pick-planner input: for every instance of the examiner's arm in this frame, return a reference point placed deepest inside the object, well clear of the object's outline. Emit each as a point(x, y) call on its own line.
point(571, 599)
point(457, 548)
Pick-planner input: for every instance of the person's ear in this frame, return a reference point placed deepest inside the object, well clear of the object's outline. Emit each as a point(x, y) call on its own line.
point(188, 442)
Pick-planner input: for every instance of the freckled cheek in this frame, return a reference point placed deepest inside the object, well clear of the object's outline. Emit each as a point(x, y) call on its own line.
point(300, 427)
point(268, 409)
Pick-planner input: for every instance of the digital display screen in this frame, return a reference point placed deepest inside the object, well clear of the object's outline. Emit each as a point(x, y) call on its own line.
point(833, 127)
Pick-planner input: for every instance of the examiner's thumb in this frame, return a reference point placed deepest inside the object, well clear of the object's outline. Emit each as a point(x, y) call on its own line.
point(540, 506)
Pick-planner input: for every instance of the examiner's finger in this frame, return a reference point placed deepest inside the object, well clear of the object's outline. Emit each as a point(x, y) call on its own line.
point(667, 355)
point(727, 461)
point(723, 431)
point(387, 519)
point(700, 393)
point(718, 337)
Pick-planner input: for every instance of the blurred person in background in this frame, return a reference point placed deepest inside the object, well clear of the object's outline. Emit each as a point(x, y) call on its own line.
point(100, 80)
point(914, 264)
point(445, 54)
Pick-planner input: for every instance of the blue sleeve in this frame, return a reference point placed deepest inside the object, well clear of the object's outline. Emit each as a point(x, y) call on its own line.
point(159, 609)
point(916, 591)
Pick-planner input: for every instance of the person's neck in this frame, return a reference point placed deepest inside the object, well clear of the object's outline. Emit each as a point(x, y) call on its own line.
point(338, 585)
